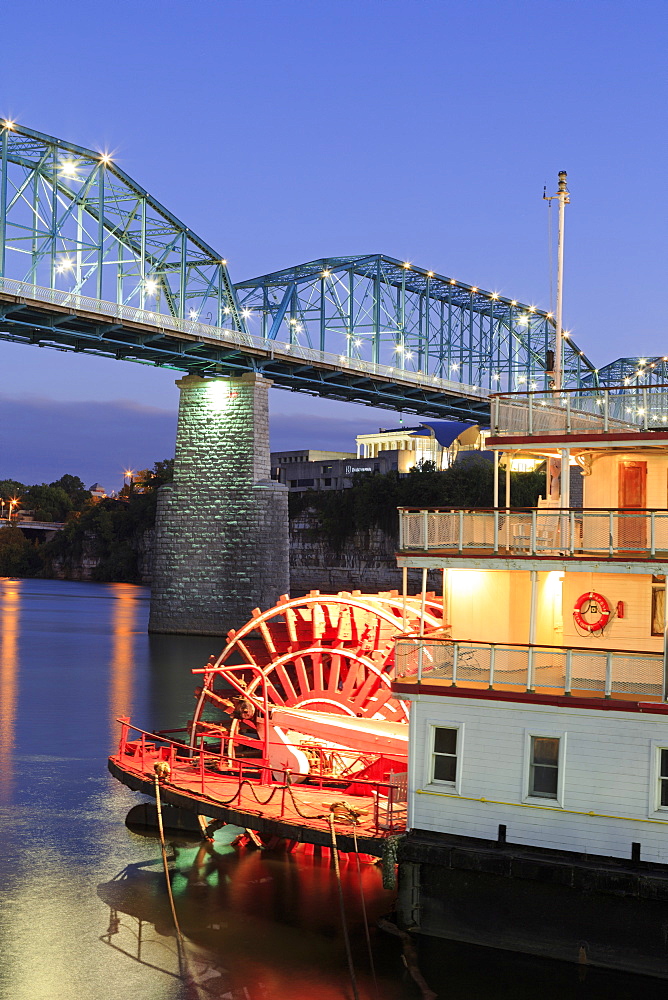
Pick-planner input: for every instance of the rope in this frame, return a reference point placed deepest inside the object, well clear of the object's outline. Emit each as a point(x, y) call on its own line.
point(366, 921)
point(335, 855)
point(165, 865)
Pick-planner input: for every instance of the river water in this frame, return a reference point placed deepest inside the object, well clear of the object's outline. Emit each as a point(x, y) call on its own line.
point(84, 911)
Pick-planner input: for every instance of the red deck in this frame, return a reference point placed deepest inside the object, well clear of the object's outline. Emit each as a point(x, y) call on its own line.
point(297, 812)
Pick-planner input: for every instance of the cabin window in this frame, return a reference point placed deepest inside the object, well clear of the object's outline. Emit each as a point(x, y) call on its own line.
point(658, 604)
point(544, 767)
point(663, 778)
point(444, 756)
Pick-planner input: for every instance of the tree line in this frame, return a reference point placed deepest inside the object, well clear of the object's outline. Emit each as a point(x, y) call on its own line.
point(109, 532)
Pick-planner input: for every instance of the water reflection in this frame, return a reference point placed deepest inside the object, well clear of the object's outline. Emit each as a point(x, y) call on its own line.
point(123, 629)
point(10, 603)
point(257, 925)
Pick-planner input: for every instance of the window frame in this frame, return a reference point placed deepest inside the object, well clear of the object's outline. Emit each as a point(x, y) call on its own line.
point(439, 783)
point(658, 587)
point(542, 800)
point(655, 809)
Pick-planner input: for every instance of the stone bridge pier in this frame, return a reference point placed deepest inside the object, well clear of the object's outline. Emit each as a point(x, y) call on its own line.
point(221, 539)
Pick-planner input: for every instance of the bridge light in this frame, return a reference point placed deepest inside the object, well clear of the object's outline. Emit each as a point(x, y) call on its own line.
point(453, 281)
point(513, 302)
point(246, 313)
point(64, 264)
point(409, 354)
point(521, 380)
point(407, 264)
point(549, 315)
point(105, 159)
point(565, 333)
point(494, 296)
point(473, 290)
point(430, 274)
point(227, 310)
point(150, 286)
point(326, 274)
point(642, 361)
point(454, 367)
point(532, 309)
point(358, 343)
point(496, 377)
point(69, 168)
point(193, 314)
point(224, 262)
point(9, 124)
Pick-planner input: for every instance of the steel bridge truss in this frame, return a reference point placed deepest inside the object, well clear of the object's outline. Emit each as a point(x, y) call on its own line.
point(648, 372)
point(385, 311)
point(72, 220)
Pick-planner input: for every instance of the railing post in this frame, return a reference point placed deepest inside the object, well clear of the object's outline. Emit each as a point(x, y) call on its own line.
point(401, 530)
point(532, 543)
point(530, 413)
point(568, 680)
point(608, 675)
point(420, 659)
point(122, 744)
point(492, 664)
point(530, 677)
point(455, 658)
point(571, 531)
point(496, 414)
point(461, 531)
point(645, 416)
point(611, 535)
point(201, 766)
point(425, 529)
point(652, 536)
point(568, 413)
point(496, 531)
point(606, 410)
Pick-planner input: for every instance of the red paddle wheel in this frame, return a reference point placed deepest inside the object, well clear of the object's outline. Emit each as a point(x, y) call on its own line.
point(324, 653)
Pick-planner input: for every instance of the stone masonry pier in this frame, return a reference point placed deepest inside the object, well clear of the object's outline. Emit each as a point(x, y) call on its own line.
point(221, 543)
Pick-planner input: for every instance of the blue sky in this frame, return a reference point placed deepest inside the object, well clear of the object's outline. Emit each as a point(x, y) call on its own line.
point(284, 131)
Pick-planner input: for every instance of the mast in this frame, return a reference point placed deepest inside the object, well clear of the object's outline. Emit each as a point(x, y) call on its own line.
point(563, 197)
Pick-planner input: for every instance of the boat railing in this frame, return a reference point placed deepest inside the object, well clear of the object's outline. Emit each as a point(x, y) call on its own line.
point(583, 410)
point(536, 531)
point(610, 673)
point(206, 772)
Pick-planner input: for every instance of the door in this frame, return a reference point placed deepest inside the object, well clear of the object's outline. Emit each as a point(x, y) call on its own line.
point(632, 531)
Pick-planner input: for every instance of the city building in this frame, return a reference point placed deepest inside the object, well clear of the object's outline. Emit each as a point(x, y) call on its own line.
point(395, 449)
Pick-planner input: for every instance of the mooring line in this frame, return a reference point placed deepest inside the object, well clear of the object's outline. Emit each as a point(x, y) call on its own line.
point(335, 854)
point(366, 922)
point(179, 936)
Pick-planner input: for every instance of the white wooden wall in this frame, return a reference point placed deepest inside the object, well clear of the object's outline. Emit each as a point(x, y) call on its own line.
point(609, 766)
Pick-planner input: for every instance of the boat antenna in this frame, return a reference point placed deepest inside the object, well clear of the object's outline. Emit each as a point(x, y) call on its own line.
point(564, 198)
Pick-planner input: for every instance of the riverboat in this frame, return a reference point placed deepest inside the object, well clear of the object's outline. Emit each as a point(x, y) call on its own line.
point(538, 755)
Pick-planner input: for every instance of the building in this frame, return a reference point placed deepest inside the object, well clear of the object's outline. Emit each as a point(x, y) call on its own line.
point(395, 449)
point(539, 720)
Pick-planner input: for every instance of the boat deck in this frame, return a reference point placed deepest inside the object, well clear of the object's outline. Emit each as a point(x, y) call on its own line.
point(295, 812)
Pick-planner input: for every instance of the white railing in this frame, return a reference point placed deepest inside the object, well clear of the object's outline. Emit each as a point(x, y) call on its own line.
point(609, 534)
point(530, 667)
point(580, 411)
point(237, 338)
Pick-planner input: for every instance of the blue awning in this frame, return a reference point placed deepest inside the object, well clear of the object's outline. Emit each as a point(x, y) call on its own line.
point(445, 431)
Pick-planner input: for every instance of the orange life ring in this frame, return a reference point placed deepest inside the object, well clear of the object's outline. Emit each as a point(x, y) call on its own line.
point(591, 602)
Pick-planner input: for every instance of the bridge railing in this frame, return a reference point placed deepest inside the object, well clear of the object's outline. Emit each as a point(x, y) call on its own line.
point(601, 410)
point(237, 338)
point(612, 534)
point(529, 667)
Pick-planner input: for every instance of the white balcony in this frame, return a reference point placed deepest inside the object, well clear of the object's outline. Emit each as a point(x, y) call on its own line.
point(605, 534)
point(553, 670)
point(604, 410)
